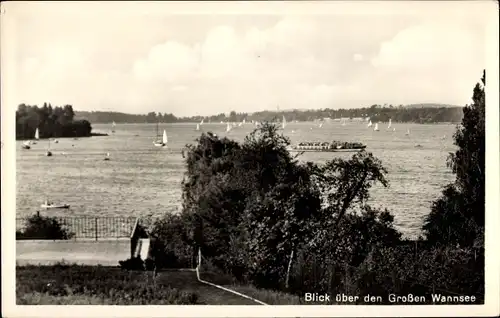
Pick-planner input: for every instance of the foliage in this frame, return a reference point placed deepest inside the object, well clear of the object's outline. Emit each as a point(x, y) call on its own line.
point(424, 270)
point(111, 285)
point(118, 117)
point(249, 205)
point(51, 122)
point(254, 210)
point(167, 247)
point(43, 228)
point(458, 216)
point(425, 113)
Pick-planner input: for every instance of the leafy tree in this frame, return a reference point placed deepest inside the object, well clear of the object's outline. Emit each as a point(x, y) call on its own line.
point(252, 206)
point(51, 122)
point(458, 216)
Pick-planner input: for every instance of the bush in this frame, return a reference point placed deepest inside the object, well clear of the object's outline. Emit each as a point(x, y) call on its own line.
point(170, 246)
point(43, 228)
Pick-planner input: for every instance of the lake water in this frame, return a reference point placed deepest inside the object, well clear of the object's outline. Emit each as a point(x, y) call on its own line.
point(142, 180)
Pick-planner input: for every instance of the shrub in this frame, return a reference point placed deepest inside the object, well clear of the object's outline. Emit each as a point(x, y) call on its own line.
point(458, 216)
point(43, 228)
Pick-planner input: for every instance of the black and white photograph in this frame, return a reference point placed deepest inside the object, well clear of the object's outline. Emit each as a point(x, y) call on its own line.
point(303, 158)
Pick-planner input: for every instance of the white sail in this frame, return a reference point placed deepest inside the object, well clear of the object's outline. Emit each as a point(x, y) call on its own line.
point(165, 138)
point(376, 127)
point(244, 121)
point(114, 124)
point(37, 134)
point(283, 123)
point(370, 124)
point(390, 123)
point(320, 125)
point(228, 127)
point(201, 123)
point(197, 126)
point(407, 132)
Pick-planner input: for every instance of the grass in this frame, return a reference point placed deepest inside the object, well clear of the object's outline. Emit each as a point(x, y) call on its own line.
point(270, 297)
point(65, 284)
point(96, 285)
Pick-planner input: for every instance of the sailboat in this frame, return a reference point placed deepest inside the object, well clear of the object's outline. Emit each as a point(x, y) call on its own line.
point(407, 132)
point(343, 122)
point(37, 136)
point(113, 125)
point(376, 127)
point(160, 142)
point(370, 124)
point(390, 124)
point(48, 153)
point(320, 125)
point(197, 127)
point(228, 127)
point(283, 123)
point(26, 145)
point(107, 157)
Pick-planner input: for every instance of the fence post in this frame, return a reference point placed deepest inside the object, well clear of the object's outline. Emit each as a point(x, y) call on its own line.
point(96, 236)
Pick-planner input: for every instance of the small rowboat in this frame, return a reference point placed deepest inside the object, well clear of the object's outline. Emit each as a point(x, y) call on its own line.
point(55, 206)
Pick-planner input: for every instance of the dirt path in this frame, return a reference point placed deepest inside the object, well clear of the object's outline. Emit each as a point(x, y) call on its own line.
point(209, 295)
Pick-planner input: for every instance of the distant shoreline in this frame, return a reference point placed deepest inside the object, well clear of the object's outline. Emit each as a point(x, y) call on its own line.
point(68, 137)
point(291, 122)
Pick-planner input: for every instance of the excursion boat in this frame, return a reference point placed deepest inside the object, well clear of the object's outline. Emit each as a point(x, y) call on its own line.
point(334, 146)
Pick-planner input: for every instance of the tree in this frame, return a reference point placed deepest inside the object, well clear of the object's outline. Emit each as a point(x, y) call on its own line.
point(252, 206)
point(51, 122)
point(458, 216)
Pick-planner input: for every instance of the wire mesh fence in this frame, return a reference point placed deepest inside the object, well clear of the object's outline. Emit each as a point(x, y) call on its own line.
point(90, 227)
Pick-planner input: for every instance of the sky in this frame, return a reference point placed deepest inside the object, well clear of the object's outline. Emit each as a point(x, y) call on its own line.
point(213, 58)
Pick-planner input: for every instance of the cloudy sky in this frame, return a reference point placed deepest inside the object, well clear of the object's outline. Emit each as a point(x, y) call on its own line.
point(213, 58)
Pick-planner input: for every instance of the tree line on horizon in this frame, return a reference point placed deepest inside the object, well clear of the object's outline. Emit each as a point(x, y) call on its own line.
point(52, 122)
point(422, 114)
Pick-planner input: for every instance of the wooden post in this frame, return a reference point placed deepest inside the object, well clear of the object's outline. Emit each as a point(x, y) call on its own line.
point(289, 267)
point(96, 236)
